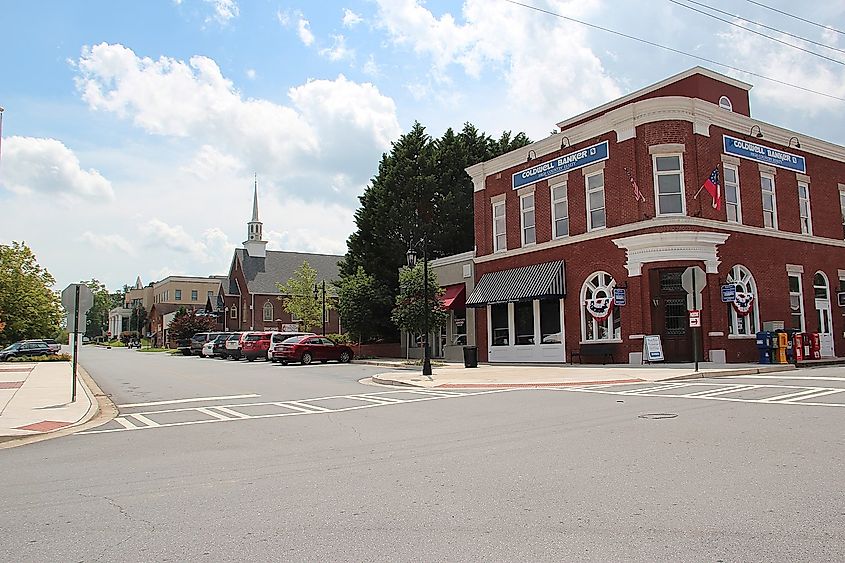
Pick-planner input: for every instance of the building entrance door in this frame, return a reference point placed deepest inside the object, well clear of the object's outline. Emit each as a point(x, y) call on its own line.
point(822, 299)
point(669, 316)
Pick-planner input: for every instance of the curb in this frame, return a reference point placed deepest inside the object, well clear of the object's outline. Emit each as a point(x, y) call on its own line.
point(100, 411)
point(392, 382)
point(732, 373)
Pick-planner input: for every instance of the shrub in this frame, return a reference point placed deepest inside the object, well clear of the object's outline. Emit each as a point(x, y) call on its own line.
point(340, 338)
point(156, 350)
point(48, 358)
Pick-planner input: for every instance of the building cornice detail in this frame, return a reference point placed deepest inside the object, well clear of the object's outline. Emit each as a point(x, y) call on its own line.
point(624, 120)
point(691, 246)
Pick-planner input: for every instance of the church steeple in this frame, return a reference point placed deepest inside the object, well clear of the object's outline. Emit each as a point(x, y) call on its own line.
point(254, 244)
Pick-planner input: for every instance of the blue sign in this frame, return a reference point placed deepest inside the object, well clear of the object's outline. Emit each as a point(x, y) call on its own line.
point(728, 293)
point(620, 297)
point(766, 155)
point(561, 165)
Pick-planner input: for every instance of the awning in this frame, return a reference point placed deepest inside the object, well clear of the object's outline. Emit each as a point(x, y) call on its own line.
point(537, 281)
point(454, 296)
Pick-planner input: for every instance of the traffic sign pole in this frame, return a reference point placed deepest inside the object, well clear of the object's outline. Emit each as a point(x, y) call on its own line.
point(695, 329)
point(75, 345)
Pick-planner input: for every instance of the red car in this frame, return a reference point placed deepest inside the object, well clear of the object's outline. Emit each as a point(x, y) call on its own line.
point(255, 345)
point(306, 349)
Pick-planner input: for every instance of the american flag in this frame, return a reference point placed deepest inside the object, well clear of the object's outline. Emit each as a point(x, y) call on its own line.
point(638, 195)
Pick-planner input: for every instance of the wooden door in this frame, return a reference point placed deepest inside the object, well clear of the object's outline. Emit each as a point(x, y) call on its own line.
point(670, 318)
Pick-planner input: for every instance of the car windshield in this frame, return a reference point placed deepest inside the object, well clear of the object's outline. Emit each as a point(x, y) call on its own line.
point(234, 337)
point(200, 336)
point(14, 346)
point(294, 340)
point(255, 337)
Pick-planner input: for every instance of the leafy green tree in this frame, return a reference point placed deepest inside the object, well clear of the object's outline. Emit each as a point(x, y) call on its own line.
point(421, 191)
point(29, 308)
point(186, 323)
point(359, 300)
point(300, 300)
point(138, 319)
point(410, 311)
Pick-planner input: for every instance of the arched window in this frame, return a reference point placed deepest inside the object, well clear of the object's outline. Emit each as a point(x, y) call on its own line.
point(599, 318)
point(820, 286)
point(268, 311)
point(725, 103)
point(744, 313)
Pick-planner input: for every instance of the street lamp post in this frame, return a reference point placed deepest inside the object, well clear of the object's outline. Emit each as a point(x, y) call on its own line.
point(324, 303)
point(412, 261)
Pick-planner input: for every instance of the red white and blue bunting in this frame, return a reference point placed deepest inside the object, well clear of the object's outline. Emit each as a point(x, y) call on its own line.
point(743, 303)
point(600, 307)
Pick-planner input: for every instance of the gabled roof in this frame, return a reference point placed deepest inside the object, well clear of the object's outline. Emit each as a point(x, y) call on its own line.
point(262, 274)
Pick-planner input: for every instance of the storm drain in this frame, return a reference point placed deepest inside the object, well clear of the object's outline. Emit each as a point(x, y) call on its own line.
point(658, 415)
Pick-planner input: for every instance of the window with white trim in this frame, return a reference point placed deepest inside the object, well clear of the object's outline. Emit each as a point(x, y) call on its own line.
point(178, 295)
point(529, 232)
point(599, 318)
point(560, 211)
point(770, 208)
point(669, 184)
point(733, 206)
point(796, 302)
point(596, 217)
point(804, 208)
point(743, 321)
point(233, 312)
point(842, 209)
point(725, 103)
point(268, 311)
point(500, 243)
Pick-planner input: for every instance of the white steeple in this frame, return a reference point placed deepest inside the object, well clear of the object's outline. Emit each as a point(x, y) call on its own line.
point(253, 244)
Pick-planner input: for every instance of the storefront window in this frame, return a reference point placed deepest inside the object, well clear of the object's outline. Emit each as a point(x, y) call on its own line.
point(796, 302)
point(459, 330)
point(499, 323)
point(550, 332)
point(523, 312)
point(600, 320)
point(744, 313)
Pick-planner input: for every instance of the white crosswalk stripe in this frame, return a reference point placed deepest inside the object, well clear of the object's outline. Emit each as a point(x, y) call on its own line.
point(773, 394)
point(190, 415)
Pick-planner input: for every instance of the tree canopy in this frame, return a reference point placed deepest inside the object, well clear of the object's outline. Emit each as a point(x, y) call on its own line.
point(29, 308)
point(356, 295)
point(410, 311)
point(421, 191)
point(186, 323)
point(301, 299)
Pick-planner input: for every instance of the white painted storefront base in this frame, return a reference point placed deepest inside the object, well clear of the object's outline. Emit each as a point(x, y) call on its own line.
point(546, 353)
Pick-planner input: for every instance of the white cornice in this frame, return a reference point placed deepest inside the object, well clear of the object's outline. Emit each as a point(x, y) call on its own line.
point(690, 246)
point(691, 222)
point(624, 121)
point(464, 257)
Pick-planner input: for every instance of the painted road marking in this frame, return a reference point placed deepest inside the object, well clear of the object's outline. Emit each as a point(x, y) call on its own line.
point(797, 394)
point(300, 407)
point(820, 378)
point(195, 400)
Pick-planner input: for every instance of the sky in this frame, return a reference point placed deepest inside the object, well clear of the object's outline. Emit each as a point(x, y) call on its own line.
point(133, 131)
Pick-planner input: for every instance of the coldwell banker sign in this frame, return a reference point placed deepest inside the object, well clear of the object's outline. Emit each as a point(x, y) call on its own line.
point(561, 165)
point(775, 157)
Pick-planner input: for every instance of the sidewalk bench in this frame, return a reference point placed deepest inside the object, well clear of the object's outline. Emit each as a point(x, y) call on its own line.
point(603, 351)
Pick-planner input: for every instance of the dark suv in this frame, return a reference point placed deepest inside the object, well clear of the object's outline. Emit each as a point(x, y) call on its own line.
point(27, 348)
point(198, 341)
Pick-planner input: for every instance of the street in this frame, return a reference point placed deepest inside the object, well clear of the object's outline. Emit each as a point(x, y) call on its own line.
point(230, 461)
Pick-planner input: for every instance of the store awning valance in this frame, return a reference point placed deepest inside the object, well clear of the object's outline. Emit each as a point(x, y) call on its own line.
point(519, 284)
point(454, 296)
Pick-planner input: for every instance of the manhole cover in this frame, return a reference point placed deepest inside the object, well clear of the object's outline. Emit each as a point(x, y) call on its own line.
point(658, 415)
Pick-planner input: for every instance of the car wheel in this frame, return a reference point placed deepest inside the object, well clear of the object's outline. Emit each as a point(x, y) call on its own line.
point(324, 361)
point(273, 360)
point(284, 362)
point(250, 359)
point(345, 357)
point(306, 358)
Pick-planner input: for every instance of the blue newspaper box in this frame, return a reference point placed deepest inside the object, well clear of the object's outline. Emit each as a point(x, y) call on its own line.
point(764, 346)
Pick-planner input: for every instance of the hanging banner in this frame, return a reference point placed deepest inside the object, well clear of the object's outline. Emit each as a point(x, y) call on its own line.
point(743, 302)
point(766, 155)
point(600, 307)
point(561, 165)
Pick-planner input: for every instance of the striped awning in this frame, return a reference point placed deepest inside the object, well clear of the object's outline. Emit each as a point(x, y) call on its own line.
point(519, 284)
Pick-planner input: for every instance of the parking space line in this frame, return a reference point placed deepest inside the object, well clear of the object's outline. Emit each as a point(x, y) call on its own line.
point(144, 420)
point(194, 400)
point(305, 407)
point(792, 396)
point(234, 413)
point(125, 423)
point(721, 390)
point(211, 413)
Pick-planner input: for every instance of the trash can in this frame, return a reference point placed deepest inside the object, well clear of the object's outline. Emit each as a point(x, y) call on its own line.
point(470, 356)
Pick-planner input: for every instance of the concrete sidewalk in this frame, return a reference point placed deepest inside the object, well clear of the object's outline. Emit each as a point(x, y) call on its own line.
point(455, 375)
point(35, 399)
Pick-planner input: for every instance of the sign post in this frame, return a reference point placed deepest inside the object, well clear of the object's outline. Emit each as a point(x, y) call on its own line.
point(76, 297)
point(693, 280)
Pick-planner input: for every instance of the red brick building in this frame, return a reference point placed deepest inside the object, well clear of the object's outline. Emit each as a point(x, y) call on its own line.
point(569, 256)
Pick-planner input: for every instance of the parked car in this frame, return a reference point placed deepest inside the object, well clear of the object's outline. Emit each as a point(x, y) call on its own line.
point(54, 346)
point(276, 339)
point(184, 346)
point(27, 348)
point(218, 345)
point(306, 349)
point(255, 345)
point(198, 341)
point(233, 345)
point(207, 349)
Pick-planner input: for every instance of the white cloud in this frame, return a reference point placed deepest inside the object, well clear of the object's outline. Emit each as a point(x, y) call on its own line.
point(303, 27)
point(528, 58)
point(338, 51)
point(209, 247)
point(370, 67)
point(283, 17)
point(210, 163)
point(330, 126)
point(47, 166)
point(250, 73)
point(350, 18)
point(224, 10)
point(108, 243)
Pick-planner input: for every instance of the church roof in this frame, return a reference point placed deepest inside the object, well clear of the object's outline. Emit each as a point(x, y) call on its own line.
point(262, 274)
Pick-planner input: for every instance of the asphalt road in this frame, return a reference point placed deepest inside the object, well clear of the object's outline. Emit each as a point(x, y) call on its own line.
point(305, 463)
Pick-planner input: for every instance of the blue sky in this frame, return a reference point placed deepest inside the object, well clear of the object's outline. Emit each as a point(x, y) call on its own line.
point(132, 130)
